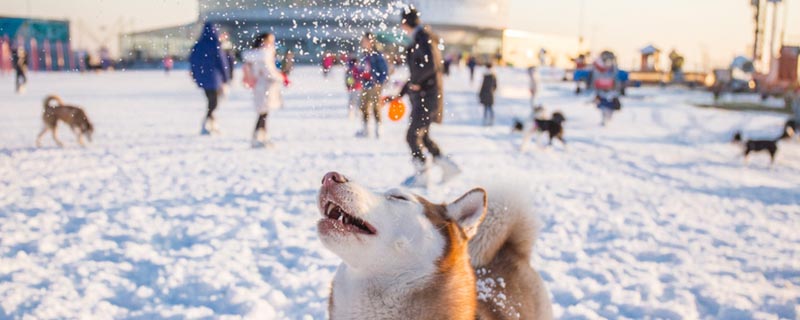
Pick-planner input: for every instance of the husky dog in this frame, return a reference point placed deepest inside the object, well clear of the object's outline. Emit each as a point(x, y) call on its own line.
point(73, 116)
point(407, 258)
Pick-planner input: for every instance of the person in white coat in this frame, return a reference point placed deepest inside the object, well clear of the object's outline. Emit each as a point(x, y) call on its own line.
point(262, 75)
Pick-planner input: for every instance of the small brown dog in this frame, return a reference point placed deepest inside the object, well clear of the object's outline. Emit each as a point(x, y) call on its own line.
point(73, 116)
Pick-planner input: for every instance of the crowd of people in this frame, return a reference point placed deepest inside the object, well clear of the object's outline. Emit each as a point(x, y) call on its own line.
point(212, 69)
point(366, 77)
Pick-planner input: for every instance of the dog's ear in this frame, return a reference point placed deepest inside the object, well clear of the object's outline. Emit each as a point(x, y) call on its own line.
point(469, 210)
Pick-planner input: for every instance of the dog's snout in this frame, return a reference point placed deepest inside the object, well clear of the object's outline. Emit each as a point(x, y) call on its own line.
point(332, 178)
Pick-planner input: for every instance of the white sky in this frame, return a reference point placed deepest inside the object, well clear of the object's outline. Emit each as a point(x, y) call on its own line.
point(719, 28)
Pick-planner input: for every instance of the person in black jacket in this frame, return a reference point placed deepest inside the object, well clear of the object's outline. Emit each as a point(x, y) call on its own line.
point(424, 89)
point(486, 95)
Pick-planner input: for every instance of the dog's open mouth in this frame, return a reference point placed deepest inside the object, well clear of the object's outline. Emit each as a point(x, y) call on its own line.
point(340, 220)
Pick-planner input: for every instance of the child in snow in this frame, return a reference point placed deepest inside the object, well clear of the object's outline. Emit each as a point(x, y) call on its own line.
point(486, 95)
point(374, 73)
point(263, 76)
point(353, 85)
point(606, 85)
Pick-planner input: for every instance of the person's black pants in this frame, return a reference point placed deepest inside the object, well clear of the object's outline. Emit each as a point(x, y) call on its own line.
point(262, 121)
point(488, 114)
point(21, 78)
point(212, 95)
point(418, 136)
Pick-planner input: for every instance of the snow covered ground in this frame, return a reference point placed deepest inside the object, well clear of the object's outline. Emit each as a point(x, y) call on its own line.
point(654, 216)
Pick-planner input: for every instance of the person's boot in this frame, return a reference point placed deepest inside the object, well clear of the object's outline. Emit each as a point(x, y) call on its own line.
point(205, 129)
point(214, 127)
point(260, 139)
point(449, 168)
point(363, 133)
point(420, 178)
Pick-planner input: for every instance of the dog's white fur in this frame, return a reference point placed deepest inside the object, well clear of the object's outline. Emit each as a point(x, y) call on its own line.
point(381, 272)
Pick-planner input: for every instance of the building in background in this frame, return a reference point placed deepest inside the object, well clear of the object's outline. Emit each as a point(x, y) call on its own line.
point(313, 28)
point(47, 43)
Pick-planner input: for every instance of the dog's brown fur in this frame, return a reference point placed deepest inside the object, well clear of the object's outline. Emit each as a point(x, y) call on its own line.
point(455, 294)
point(504, 259)
point(73, 116)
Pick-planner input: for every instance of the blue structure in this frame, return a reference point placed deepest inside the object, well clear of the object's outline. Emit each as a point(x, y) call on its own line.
point(47, 42)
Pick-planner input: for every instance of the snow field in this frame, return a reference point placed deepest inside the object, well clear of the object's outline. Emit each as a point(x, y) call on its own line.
point(654, 216)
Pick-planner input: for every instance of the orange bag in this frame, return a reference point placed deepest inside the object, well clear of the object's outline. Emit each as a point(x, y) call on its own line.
point(396, 109)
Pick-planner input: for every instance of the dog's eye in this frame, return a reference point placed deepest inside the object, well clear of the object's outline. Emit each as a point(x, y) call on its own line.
point(398, 197)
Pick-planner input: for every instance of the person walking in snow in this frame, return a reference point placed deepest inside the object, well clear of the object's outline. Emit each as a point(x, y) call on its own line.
point(424, 89)
point(263, 76)
point(209, 69)
point(471, 64)
point(168, 63)
point(374, 73)
point(606, 85)
point(353, 85)
point(533, 84)
point(288, 63)
point(20, 61)
point(327, 64)
point(486, 95)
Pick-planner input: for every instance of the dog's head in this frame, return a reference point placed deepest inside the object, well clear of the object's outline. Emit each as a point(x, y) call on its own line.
point(558, 117)
point(395, 230)
point(518, 125)
point(87, 129)
point(737, 137)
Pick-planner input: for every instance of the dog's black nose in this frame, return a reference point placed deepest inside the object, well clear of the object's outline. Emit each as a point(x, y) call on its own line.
point(332, 178)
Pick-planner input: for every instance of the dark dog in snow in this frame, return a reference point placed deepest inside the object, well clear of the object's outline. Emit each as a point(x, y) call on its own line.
point(553, 127)
point(74, 117)
point(769, 146)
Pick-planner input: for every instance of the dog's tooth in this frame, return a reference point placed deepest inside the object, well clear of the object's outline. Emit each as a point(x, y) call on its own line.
point(331, 208)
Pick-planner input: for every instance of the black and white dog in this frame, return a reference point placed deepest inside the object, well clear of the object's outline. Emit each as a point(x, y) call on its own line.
point(769, 146)
point(553, 126)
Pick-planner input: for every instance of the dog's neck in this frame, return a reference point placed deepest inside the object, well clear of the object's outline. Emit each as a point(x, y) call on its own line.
point(438, 289)
point(357, 294)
